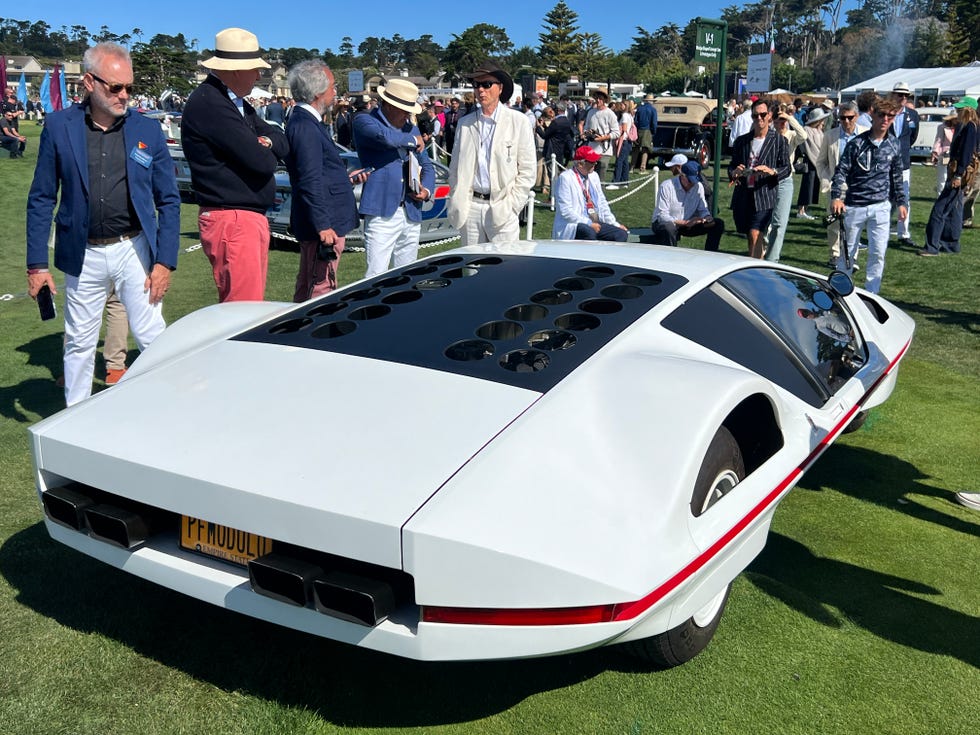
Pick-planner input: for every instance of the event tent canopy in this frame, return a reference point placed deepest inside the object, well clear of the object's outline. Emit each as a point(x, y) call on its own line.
point(948, 81)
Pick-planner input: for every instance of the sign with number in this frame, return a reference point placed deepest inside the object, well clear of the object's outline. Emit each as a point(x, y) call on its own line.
point(708, 46)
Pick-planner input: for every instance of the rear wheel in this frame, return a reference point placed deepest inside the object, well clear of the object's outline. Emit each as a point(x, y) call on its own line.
point(857, 422)
point(722, 469)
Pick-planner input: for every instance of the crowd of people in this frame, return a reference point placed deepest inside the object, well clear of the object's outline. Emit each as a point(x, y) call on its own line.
point(117, 240)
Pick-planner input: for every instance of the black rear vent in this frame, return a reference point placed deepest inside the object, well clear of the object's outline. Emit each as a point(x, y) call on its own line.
point(520, 320)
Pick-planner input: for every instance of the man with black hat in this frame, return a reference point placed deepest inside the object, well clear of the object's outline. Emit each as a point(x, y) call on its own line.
point(493, 165)
point(233, 155)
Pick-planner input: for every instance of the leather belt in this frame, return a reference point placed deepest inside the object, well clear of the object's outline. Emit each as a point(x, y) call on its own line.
point(113, 240)
point(481, 195)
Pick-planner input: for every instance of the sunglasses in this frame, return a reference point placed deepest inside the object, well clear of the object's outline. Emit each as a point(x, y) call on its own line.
point(847, 117)
point(886, 114)
point(484, 84)
point(113, 88)
point(760, 115)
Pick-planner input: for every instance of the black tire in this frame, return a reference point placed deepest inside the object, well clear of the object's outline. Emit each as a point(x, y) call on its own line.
point(679, 645)
point(702, 152)
point(721, 470)
point(856, 423)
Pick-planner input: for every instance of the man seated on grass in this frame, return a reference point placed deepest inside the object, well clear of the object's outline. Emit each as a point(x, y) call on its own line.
point(682, 210)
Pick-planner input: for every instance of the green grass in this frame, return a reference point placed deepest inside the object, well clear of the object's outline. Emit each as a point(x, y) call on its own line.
point(862, 615)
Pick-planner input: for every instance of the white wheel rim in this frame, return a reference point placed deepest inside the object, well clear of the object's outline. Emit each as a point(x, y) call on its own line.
point(723, 484)
point(703, 617)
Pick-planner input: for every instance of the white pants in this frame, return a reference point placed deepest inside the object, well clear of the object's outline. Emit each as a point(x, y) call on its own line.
point(876, 218)
point(125, 266)
point(903, 224)
point(386, 235)
point(479, 226)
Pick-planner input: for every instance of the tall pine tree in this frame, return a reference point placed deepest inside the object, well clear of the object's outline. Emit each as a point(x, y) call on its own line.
point(559, 44)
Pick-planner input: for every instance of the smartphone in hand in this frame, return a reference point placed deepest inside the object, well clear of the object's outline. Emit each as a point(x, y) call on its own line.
point(45, 303)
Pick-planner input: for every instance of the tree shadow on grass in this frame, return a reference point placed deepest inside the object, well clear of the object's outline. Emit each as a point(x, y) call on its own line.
point(345, 685)
point(879, 603)
point(966, 320)
point(886, 481)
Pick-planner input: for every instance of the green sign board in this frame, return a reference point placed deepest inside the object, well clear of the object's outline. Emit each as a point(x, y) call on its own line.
point(709, 41)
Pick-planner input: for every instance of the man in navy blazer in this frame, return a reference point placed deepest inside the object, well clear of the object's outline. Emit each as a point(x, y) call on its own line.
point(118, 220)
point(390, 201)
point(322, 207)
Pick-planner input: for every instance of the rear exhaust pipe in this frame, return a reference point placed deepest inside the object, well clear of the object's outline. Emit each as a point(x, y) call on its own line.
point(66, 505)
point(283, 578)
point(353, 598)
point(117, 526)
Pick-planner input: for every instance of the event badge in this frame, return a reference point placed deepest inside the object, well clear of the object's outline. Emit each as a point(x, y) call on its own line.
point(140, 155)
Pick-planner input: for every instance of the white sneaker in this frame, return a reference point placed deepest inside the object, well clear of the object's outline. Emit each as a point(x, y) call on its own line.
point(970, 500)
point(804, 215)
point(613, 187)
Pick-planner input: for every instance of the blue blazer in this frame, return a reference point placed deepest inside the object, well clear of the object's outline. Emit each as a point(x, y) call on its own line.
point(323, 196)
point(386, 149)
point(910, 131)
point(62, 162)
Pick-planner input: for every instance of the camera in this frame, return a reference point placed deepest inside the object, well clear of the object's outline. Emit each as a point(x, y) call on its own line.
point(590, 135)
point(830, 218)
point(325, 252)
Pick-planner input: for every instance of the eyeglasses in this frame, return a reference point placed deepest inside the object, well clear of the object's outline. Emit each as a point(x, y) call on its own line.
point(113, 88)
point(847, 117)
point(760, 115)
point(484, 84)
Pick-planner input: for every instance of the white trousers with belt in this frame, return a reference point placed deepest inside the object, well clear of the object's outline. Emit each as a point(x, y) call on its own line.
point(124, 265)
point(384, 236)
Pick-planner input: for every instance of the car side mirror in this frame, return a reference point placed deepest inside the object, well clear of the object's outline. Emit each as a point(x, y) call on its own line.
point(841, 283)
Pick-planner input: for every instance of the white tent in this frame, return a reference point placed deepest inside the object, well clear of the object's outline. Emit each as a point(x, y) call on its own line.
point(949, 82)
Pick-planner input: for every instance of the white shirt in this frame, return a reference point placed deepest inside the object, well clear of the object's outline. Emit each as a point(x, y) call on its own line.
point(486, 126)
point(673, 203)
point(740, 126)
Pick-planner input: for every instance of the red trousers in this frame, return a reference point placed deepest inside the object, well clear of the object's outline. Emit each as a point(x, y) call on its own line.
point(236, 242)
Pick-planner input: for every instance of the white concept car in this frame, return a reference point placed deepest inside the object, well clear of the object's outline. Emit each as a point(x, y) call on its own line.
point(495, 452)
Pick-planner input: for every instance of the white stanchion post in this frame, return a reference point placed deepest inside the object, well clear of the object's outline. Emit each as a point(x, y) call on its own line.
point(529, 230)
point(553, 168)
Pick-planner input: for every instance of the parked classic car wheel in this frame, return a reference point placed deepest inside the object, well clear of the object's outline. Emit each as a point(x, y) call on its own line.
point(721, 470)
point(702, 153)
point(857, 422)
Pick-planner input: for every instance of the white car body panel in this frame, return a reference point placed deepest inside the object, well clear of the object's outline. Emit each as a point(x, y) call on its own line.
point(487, 490)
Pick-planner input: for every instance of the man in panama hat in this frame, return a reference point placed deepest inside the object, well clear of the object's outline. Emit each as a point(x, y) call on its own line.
point(233, 155)
point(392, 198)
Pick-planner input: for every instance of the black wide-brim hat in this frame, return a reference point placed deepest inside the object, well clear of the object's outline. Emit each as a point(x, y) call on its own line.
point(491, 69)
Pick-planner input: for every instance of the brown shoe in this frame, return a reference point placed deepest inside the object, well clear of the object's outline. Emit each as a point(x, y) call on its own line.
point(114, 376)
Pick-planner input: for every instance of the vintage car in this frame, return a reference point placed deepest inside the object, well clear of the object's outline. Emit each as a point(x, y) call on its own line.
point(686, 125)
point(435, 220)
point(556, 446)
point(930, 120)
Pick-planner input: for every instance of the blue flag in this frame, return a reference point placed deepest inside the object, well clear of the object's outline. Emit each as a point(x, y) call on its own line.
point(22, 89)
point(46, 93)
point(65, 101)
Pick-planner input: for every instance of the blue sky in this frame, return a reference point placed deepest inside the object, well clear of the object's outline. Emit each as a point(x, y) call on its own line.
point(320, 25)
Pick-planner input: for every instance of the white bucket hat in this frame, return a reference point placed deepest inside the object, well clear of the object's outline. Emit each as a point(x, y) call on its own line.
point(402, 94)
point(235, 49)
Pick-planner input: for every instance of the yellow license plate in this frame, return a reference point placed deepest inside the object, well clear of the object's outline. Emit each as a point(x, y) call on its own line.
point(221, 542)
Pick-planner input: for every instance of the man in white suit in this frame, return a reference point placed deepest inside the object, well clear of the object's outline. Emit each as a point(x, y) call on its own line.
point(493, 165)
point(828, 158)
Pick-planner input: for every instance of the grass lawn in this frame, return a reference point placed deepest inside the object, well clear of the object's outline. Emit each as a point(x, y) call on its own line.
point(862, 614)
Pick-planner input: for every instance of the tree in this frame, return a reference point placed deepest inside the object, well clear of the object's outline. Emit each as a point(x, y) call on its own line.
point(558, 45)
point(347, 48)
point(592, 56)
point(475, 44)
point(158, 67)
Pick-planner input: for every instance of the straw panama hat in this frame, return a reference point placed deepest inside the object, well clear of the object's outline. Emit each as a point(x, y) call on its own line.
point(235, 49)
point(402, 94)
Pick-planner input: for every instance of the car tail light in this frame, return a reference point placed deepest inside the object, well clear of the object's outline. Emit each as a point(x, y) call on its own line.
point(525, 616)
